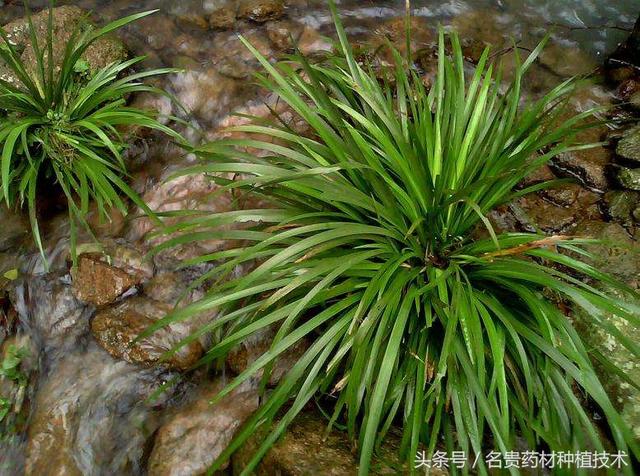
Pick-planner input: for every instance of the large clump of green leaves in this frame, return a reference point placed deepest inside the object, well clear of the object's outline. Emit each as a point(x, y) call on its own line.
point(373, 250)
point(62, 127)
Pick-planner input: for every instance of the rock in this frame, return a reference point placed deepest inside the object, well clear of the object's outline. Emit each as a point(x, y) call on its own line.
point(191, 20)
point(257, 344)
point(190, 441)
point(618, 255)
point(99, 283)
point(629, 145)
point(533, 213)
point(573, 195)
point(261, 11)
point(539, 175)
point(624, 396)
point(222, 18)
point(284, 34)
point(588, 165)
point(101, 278)
point(15, 229)
point(170, 286)
point(91, 417)
point(629, 178)
point(204, 93)
point(157, 31)
point(48, 304)
point(620, 205)
point(303, 450)
point(623, 63)
point(66, 19)
point(116, 328)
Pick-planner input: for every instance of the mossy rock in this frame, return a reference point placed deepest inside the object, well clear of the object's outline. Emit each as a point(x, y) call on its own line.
point(629, 145)
point(66, 19)
point(624, 396)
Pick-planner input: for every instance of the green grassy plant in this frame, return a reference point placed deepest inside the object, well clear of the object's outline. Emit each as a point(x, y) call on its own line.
point(61, 126)
point(377, 249)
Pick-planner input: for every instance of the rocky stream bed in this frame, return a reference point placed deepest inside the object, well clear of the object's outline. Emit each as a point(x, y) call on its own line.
point(90, 404)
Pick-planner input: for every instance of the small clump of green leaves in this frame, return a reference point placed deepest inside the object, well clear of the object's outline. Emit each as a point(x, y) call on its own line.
point(10, 372)
point(61, 125)
point(370, 250)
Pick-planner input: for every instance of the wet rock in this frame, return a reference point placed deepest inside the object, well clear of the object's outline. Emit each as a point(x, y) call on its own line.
point(116, 328)
point(231, 68)
point(311, 42)
point(257, 344)
point(157, 30)
point(629, 178)
point(104, 276)
point(91, 417)
point(205, 94)
point(191, 20)
point(623, 63)
point(303, 450)
point(47, 304)
point(99, 283)
point(189, 442)
point(618, 254)
point(541, 174)
point(533, 213)
point(394, 31)
point(223, 18)
point(621, 205)
point(284, 34)
point(629, 146)
point(588, 165)
point(171, 286)
point(572, 195)
point(261, 11)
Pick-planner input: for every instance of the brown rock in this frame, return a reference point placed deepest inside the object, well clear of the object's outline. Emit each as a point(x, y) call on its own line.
point(589, 165)
point(283, 34)
point(97, 282)
point(261, 11)
point(116, 328)
point(223, 18)
point(257, 344)
point(303, 450)
point(534, 213)
point(192, 20)
point(189, 442)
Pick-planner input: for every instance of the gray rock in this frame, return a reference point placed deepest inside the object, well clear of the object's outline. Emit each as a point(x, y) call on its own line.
point(91, 417)
point(48, 308)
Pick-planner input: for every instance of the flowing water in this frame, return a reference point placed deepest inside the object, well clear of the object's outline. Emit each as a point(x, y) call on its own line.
point(104, 399)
